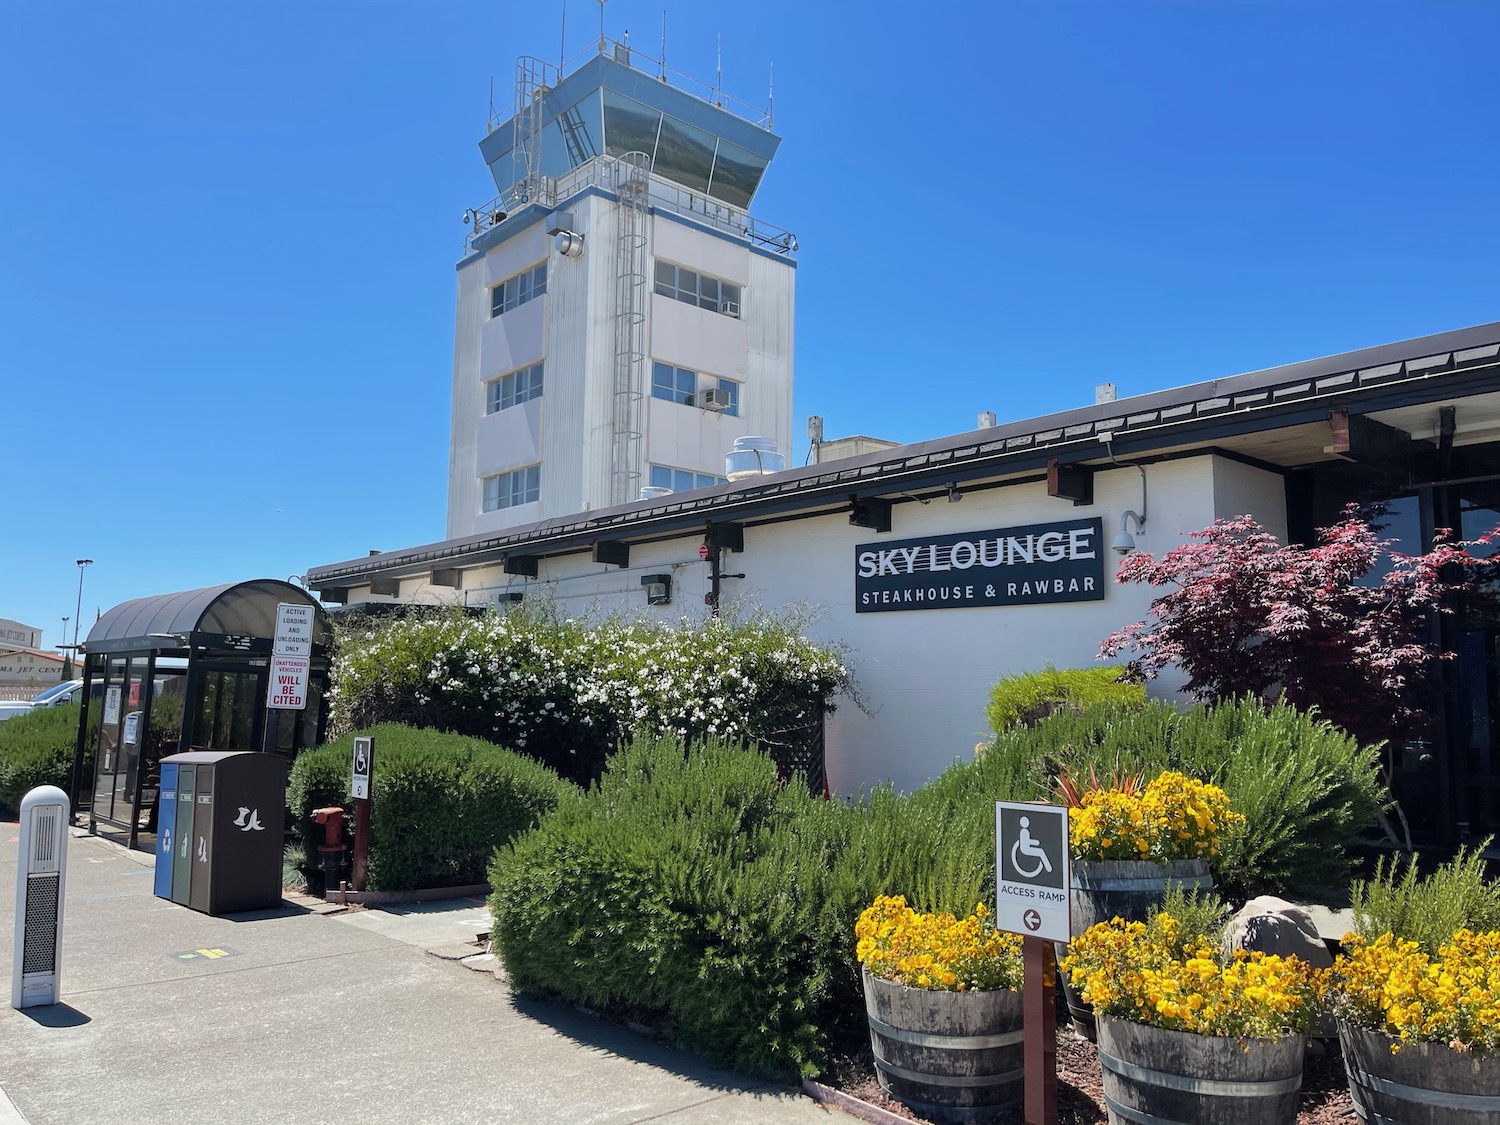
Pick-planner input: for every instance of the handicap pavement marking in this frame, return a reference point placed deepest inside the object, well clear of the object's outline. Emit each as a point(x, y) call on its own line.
point(212, 954)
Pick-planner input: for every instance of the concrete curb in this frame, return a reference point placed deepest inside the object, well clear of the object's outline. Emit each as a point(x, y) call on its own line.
point(428, 894)
point(855, 1107)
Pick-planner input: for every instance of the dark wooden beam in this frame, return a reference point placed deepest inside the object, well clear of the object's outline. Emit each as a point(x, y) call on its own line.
point(613, 552)
point(1070, 482)
point(521, 564)
point(1362, 439)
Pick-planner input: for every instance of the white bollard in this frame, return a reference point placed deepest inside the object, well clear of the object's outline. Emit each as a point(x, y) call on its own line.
point(41, 874)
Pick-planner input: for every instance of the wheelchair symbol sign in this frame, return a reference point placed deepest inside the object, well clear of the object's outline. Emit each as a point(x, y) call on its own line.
point(1033, 877)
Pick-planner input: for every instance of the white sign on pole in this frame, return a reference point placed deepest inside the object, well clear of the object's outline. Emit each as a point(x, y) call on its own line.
point(288, 687)
point(1033, 878)
point(364, 756)
point(294, 630)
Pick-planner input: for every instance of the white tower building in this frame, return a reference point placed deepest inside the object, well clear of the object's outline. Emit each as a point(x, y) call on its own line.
point(622, 318)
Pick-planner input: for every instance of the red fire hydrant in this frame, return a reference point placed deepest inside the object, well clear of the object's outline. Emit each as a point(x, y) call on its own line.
point(332, 850)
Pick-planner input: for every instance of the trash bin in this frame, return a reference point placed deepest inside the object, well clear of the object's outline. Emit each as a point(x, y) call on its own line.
point(220, 846)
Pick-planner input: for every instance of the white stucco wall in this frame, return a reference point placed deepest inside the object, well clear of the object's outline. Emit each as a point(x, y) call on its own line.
point(923, 675)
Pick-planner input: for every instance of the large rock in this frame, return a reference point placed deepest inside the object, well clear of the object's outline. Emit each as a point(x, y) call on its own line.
point(1273, 925)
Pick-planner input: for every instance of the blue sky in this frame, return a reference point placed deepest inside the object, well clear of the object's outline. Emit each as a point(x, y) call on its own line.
point(228, 232)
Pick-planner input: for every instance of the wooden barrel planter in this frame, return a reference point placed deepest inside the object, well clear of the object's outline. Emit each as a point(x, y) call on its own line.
point(1422, 1084)
point(1121, 888)
point(950, 1056)
point(1157, 1077)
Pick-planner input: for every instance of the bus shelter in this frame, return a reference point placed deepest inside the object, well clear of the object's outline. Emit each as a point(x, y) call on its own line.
point(189, 670)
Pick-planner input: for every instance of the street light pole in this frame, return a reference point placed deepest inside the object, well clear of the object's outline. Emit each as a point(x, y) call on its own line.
point(78, 609)
point(64, 640)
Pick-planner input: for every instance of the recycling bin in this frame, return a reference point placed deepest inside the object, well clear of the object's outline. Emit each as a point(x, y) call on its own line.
point(220, 846)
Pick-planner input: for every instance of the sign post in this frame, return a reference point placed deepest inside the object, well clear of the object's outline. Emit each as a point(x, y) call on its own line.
point(359, 786)
point(1033, 884)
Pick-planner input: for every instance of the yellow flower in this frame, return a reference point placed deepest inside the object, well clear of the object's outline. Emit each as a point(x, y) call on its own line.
point(936, 951)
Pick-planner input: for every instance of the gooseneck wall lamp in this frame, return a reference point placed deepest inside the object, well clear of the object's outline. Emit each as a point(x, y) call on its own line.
point(1124, 542)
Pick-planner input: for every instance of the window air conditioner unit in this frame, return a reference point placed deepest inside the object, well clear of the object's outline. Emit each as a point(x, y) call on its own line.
point(714, 399)
point(730, 308)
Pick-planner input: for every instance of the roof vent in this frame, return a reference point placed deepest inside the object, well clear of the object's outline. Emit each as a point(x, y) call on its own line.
point(986, 419)
point(753, 457)
point(1104, 392)
point(654, 492)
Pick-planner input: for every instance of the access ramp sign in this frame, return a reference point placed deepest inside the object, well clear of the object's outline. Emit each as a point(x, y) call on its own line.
point(1033, 878)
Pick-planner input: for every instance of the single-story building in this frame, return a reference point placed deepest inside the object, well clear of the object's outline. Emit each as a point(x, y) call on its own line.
point(946, 565)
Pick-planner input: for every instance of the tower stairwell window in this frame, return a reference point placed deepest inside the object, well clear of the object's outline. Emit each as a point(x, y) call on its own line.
point(506, 490)
point(517, 290)
point(514, 388)
point(693, 288)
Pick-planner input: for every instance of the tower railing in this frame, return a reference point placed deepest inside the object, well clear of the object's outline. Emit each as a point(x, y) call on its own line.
point(601, 172)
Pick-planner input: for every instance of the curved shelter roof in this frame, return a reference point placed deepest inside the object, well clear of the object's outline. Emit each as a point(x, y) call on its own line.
point(242, 612)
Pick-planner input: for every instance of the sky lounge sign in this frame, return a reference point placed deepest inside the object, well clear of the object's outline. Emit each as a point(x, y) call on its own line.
point(1043, 562)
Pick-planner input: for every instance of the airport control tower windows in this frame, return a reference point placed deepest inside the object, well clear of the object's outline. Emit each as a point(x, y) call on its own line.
point(506, 490)
point(514, 388)
point(519, 289)
point(693, 288)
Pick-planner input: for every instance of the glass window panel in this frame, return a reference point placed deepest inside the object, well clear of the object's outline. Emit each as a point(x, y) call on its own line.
point(628, 125)
point(708, 293)
point(737, 173)
point(685, 154)
point(687, 286)
point(497, 300)
point(539, 280)
point(729, 299)
point(732, 389)
point(572, 137)
point(666, 279)
point(687, 384)
point(494, 393)
point(682, 480)
point(661, 476)
point(663, 381)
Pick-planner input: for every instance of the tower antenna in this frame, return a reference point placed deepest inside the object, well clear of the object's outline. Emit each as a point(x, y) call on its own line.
point(562, 43)
point(662, 72)
point(771, 99)
point(719, 74)
point(601, 26)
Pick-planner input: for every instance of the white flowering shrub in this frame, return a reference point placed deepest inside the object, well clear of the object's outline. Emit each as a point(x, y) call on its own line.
point(567, 692)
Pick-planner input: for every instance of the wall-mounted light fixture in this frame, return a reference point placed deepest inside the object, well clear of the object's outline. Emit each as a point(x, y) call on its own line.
point(954, 495)
point(658, 588)
point(1124, 542)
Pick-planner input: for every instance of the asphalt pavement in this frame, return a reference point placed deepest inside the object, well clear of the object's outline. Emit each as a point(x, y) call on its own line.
point(298, 1015)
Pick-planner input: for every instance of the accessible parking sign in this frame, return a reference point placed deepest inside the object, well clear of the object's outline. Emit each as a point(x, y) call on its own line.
point(1033, 879)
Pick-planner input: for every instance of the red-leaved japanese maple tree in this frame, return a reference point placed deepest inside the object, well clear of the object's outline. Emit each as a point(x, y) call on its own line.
point(1244, 614)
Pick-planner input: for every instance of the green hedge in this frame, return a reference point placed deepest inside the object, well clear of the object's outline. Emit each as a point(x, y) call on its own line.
point(567, 692)
point(36, 748)
point(440, 803)
point(1306, 788)
point(1022, 700)
point(693, 888)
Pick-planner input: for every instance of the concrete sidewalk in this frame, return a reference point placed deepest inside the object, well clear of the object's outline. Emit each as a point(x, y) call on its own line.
point(171, 1017)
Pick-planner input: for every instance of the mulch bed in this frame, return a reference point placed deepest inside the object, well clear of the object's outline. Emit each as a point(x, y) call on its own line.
point(1080, 1096)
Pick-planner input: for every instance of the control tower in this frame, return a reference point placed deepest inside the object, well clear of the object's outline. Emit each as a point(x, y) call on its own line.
point(622, 318)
